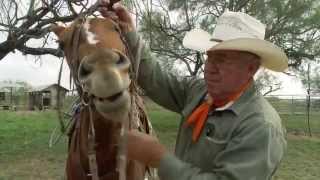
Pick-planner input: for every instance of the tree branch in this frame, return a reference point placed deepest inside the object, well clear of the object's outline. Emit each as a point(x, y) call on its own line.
point(41, 51)
point(272, 89)
point(34, 25)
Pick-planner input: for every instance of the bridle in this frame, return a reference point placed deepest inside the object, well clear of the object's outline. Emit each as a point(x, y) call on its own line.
point(87, 102)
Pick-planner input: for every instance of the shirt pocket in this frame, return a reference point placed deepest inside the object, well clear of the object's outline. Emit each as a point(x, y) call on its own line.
point(210, 143)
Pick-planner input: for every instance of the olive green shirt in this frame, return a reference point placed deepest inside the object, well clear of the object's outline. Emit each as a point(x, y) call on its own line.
point(245, 141)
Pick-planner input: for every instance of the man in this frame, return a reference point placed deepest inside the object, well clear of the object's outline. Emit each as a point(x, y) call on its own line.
point(228, 130)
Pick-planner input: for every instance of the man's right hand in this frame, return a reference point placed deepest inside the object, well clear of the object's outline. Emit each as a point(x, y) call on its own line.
point(119, 14)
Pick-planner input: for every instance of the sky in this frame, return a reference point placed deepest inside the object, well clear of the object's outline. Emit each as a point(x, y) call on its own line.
point(290, 85)
point(16, 67)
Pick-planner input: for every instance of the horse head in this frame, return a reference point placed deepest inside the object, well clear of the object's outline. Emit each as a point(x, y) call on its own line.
point(97, 57)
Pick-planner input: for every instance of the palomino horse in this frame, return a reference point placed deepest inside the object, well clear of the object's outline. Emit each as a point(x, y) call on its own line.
point(97, 56)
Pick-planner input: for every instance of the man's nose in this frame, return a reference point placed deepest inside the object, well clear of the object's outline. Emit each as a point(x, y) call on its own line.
point(213, 65)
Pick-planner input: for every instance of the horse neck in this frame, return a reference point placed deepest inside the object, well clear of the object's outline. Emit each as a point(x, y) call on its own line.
point(106, 139)
point(106, 131)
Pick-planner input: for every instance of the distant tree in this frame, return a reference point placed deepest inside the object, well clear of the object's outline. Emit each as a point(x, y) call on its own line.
point(20, 93)
point(18, 90)
point(291, 24)
point(267, 83)
point(18, 87)
point(314, 77)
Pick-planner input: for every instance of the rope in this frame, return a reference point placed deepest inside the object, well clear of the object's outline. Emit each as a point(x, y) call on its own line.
point(91, 147)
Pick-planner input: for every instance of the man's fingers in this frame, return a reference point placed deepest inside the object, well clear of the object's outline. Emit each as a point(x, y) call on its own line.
point(104, 11)
point(104, 2)
point(118, 7)
point(118, 12)
point(108, 14)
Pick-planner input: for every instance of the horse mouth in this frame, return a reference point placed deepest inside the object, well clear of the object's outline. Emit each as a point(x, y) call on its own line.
point(109, 98)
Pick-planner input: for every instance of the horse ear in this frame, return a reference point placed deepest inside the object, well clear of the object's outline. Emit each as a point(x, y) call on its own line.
point(58, 30)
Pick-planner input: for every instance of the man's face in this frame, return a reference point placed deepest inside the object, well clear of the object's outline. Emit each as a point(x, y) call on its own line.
point(227, 71)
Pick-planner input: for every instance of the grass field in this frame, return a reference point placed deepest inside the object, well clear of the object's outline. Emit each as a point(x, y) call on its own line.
point(24, 151)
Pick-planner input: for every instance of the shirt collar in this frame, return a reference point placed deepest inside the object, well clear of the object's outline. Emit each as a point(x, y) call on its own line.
point(222, 108)
point(244, 99)
point(229, 104)
point(238, 105)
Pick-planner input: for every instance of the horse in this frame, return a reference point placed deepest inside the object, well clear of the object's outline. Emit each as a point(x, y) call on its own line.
point(100, 65)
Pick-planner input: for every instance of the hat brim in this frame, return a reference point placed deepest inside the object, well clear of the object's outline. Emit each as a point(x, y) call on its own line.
point(198, 39)
point(271, 56)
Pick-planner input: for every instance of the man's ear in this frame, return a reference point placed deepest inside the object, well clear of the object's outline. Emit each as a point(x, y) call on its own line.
point(58, 30)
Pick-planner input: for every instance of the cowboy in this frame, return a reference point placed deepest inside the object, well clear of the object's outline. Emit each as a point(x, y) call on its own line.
point(228, 131)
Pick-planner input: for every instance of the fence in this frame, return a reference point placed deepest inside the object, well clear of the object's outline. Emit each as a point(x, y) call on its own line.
point(15, 102)
point(296, 115)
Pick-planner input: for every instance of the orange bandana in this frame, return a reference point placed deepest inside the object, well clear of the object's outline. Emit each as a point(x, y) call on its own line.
point(199, 116)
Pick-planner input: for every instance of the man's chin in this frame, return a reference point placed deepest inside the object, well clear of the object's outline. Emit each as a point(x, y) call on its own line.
point(217, 95)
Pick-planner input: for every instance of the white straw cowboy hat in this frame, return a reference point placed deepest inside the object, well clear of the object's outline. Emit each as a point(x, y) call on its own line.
point(241, 32)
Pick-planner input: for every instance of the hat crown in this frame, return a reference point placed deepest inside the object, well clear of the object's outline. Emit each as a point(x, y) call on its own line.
point(233, 25)
point(237, 31)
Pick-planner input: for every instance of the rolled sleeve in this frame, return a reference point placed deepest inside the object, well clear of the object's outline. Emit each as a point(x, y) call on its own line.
point(165, 88)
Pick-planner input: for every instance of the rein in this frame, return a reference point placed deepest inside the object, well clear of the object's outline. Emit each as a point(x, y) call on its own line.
point(86, 100)
point(92, 155)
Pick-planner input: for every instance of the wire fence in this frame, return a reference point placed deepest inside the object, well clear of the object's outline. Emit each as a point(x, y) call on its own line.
point(298, 114)
point(293, 109)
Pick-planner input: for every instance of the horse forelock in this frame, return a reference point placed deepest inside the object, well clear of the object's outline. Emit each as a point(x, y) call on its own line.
point(95, 33)
point(92, 34)
point(103, 33)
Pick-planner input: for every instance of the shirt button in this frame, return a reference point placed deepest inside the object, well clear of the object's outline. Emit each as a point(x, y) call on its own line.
point(209, 131)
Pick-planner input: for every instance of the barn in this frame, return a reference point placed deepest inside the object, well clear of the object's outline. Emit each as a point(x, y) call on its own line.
point(46, 97)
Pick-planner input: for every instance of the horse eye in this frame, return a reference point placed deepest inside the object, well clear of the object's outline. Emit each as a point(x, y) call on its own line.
point(84, 71)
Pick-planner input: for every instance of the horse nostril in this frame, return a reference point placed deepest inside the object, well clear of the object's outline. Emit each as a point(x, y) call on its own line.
point(84, 71)
point(121, 60)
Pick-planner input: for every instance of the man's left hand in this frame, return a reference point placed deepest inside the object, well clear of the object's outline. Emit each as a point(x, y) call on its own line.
point(145, 148)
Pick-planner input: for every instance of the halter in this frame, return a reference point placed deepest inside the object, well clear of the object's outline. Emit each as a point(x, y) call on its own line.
point(86, 102)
